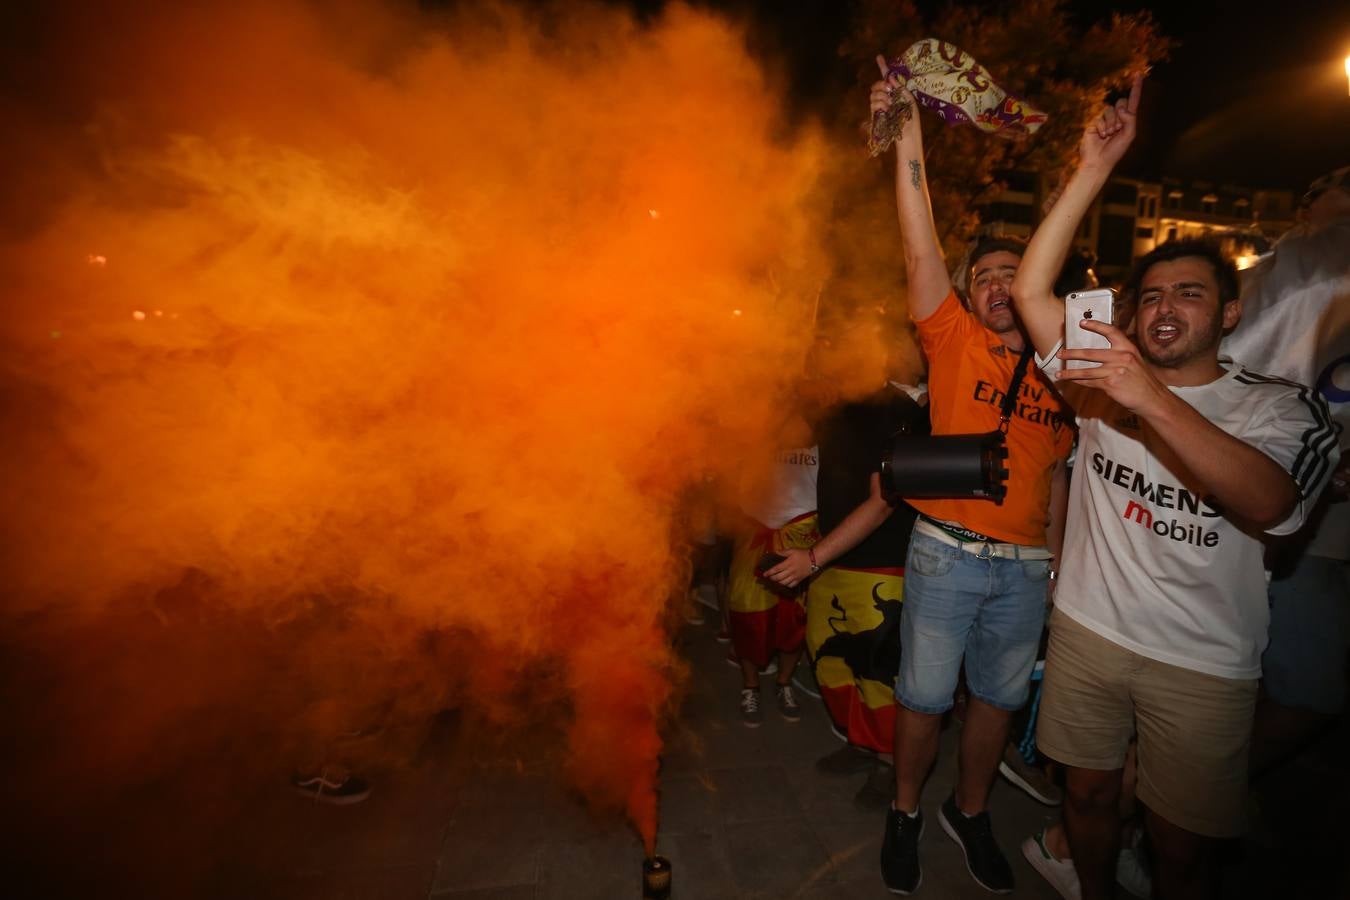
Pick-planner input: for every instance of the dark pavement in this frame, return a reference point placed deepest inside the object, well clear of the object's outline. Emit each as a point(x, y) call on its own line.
point(744, 814)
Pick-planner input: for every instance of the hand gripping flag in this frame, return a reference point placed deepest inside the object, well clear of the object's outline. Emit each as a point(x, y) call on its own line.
point(950, 82)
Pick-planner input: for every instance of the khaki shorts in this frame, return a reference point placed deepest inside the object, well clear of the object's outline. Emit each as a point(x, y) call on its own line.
point(1194, 730)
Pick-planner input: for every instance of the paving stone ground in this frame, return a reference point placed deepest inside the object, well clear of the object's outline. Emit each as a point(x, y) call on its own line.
point(744, 815)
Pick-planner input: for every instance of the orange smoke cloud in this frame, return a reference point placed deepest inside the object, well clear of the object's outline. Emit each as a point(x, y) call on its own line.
point(443, 311)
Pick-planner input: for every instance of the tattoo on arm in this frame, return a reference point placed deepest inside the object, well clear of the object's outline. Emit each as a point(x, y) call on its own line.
point(914, 174)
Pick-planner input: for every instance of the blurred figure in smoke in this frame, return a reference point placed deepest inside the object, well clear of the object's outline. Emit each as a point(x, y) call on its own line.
point(767, 619)
point(710, 553)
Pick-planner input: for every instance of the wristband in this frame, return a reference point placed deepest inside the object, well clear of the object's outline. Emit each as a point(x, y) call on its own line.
point(1053, 574)
point(811, 554)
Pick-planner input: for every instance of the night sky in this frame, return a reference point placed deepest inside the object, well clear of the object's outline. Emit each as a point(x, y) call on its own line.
point(1251, 98)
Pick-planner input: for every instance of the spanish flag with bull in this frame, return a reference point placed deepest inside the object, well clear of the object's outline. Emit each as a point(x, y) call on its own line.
point(853, 604)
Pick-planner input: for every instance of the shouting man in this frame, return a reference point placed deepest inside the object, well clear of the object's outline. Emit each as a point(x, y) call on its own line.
point(1160, 615)
point(977, 573)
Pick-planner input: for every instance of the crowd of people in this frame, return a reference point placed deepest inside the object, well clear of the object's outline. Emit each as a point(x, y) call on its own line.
point(1159, 606)
point(1154, 612)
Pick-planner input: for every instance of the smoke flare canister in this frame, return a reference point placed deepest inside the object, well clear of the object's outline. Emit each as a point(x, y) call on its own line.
point(656, 878)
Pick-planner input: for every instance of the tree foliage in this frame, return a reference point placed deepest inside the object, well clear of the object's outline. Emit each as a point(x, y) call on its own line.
point(1034, 49)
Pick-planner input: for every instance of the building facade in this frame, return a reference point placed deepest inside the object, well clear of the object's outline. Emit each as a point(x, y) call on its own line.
point(1130, 217)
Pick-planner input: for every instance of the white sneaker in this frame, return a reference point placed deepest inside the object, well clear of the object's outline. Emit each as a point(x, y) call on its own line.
point(1131, 872)
point(1059, 872)
point(334, 785)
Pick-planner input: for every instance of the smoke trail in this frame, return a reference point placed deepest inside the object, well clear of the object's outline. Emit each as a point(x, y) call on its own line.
point(427, 320)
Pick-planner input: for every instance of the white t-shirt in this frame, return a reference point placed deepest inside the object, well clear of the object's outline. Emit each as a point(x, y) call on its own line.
point(1149, 564)
point(793, 487)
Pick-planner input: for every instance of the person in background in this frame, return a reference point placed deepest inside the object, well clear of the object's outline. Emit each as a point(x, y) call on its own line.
point(857, 583)
point(767, 621)
point(1296, 325)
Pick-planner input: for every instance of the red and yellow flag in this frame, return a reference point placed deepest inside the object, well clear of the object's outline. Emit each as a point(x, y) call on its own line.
point(763, 622)
point(853, 636)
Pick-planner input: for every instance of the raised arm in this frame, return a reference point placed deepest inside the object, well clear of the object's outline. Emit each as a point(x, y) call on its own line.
point(929, 282)
point(1103, 144)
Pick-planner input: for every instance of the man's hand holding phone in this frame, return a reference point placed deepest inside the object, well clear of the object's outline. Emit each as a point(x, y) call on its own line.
point(1097, 306)
point(1120, 371)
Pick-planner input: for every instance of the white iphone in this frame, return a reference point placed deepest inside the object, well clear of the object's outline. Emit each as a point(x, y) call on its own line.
point(1099, 305)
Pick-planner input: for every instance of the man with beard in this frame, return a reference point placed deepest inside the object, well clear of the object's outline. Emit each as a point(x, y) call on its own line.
point(977, 572)
point(1160, 614)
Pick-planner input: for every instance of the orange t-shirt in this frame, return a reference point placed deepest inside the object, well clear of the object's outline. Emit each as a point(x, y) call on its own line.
point(969, 370)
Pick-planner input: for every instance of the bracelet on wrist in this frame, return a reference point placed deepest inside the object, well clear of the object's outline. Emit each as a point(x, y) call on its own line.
point(811, 555)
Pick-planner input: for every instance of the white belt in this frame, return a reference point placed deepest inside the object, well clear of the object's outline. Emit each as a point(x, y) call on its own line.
point(981, 549)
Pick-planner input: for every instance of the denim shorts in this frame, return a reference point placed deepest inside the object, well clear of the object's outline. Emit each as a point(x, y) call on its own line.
point(989, 611)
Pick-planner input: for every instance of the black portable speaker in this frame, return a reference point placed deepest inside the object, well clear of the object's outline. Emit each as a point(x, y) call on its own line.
point(948, 465)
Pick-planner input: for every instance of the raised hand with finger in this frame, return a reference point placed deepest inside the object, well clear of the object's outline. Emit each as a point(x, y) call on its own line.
point(1111, 133)
point(1104, 143)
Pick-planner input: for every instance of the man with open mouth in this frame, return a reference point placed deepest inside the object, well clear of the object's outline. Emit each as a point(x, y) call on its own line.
point(1161, 616)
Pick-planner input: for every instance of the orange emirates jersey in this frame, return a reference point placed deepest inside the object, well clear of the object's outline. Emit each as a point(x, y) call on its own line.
point(969, 370)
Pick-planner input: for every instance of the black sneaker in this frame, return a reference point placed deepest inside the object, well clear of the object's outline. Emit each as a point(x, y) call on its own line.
point(975, 834)
point(1030, 778)
point(900, 852)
